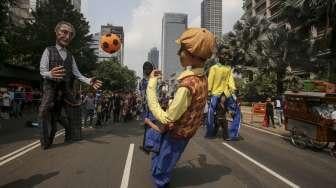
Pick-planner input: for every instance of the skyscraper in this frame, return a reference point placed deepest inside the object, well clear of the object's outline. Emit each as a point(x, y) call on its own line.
point(153, 57)
point(173, 25)
point(118, 30)
point(76, 3)
point(21, 11)
point(211, 16)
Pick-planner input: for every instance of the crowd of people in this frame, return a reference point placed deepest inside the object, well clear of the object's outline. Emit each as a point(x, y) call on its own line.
point(15, 102)
point(119, 106)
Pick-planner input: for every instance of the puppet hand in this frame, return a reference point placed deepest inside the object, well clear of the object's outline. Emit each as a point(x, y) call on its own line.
point(96, 84)
point(146, 121)
point(57, 72)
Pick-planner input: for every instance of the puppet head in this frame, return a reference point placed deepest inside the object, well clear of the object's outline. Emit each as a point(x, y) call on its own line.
point(197, 45)
point(224, 54)
point(110, 43)
point(147, 68)
point(65, 32)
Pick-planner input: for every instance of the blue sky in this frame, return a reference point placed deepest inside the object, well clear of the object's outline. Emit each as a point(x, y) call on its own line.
point(142, 21)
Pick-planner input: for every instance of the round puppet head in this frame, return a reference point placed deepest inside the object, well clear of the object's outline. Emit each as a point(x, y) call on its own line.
point(224, 53)
point(65, 32)
point(147, 68)
point(110, 43)
point(199, 42)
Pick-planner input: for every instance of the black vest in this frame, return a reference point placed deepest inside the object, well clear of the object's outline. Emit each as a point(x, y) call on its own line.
point(55, 60)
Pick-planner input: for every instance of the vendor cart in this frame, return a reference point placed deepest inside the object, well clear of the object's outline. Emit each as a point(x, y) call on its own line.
point(307, 118)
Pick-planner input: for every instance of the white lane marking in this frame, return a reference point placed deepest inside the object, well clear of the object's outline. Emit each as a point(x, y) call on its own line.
point(17, 153)
point(288, 182)
point(19, 150)
point(262, 130)
point(127, 170)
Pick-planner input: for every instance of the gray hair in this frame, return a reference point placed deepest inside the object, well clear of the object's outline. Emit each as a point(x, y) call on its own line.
point(59, 24)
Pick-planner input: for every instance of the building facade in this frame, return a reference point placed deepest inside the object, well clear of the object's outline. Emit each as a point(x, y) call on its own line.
point(76, 3)
point(153, 57)
point(173, 25)
point(21, 11)
point(269, 8)
point(95, 43)
point(211, 16)
point(118, 30)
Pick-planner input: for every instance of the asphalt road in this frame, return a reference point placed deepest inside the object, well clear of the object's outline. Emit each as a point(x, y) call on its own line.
point(258, 160)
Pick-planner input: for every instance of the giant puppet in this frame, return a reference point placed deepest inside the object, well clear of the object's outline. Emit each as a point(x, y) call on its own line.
point(184, 114)
point(221, 82)
point(151, 138)
point(59, 69)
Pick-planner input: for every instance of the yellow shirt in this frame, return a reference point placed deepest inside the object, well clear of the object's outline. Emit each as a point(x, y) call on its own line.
point(178, 106)
point(220, 80)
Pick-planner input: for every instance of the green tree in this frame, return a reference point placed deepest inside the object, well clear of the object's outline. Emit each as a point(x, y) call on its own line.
point(116, 76)
point(30, 41)
point(5, 26)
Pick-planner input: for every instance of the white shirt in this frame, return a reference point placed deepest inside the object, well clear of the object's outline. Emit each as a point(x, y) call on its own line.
point(6, 99)
point(278, 104)
point(44, 65)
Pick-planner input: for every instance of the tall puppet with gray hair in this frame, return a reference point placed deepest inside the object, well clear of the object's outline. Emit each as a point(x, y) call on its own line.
point(59, 69)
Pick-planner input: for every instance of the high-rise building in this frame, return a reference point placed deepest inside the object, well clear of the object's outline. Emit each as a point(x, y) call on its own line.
point(269, 8)
point(211, 16)
point(21, 11)
point(173, 25)
point(76, 3)
point(95, 43)
point(118, 30)
point(153, 57)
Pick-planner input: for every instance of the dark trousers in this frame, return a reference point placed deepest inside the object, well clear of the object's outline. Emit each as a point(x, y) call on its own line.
point(116, 113)
point(50, 110)
point(221, 122)
point(270, 117)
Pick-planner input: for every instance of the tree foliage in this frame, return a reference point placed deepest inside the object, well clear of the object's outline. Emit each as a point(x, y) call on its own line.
point(30, 41)
point(5, 26)
point(115, 76)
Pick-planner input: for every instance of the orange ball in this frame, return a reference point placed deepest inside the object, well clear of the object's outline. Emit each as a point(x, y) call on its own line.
point(110, 43)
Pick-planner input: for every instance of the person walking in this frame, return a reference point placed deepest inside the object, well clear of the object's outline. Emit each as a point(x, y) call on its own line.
point(117, 106)
point(89, 106)
point(269, 113)
point(278, 111)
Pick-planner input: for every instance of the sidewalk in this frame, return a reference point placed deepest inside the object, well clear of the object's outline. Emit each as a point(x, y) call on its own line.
point(258, 120)
point(12, 124)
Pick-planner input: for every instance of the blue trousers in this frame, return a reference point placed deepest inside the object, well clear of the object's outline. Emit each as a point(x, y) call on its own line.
point(152, 140)
point(164, 162)
point(233, 106)
point(210, 124)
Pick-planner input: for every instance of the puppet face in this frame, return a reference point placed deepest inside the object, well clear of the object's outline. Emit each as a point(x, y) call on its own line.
point(225, 55)
point(147, 68)
point(64, 35)
point(188, 59)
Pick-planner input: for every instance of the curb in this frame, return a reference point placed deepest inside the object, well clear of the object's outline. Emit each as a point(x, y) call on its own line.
point(266, 129)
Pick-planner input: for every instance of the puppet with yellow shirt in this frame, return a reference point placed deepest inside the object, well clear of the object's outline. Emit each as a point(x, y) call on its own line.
point(221, 81)
point(184, 114)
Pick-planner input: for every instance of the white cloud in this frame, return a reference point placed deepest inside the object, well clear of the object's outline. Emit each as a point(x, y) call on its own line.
point(144, 31)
